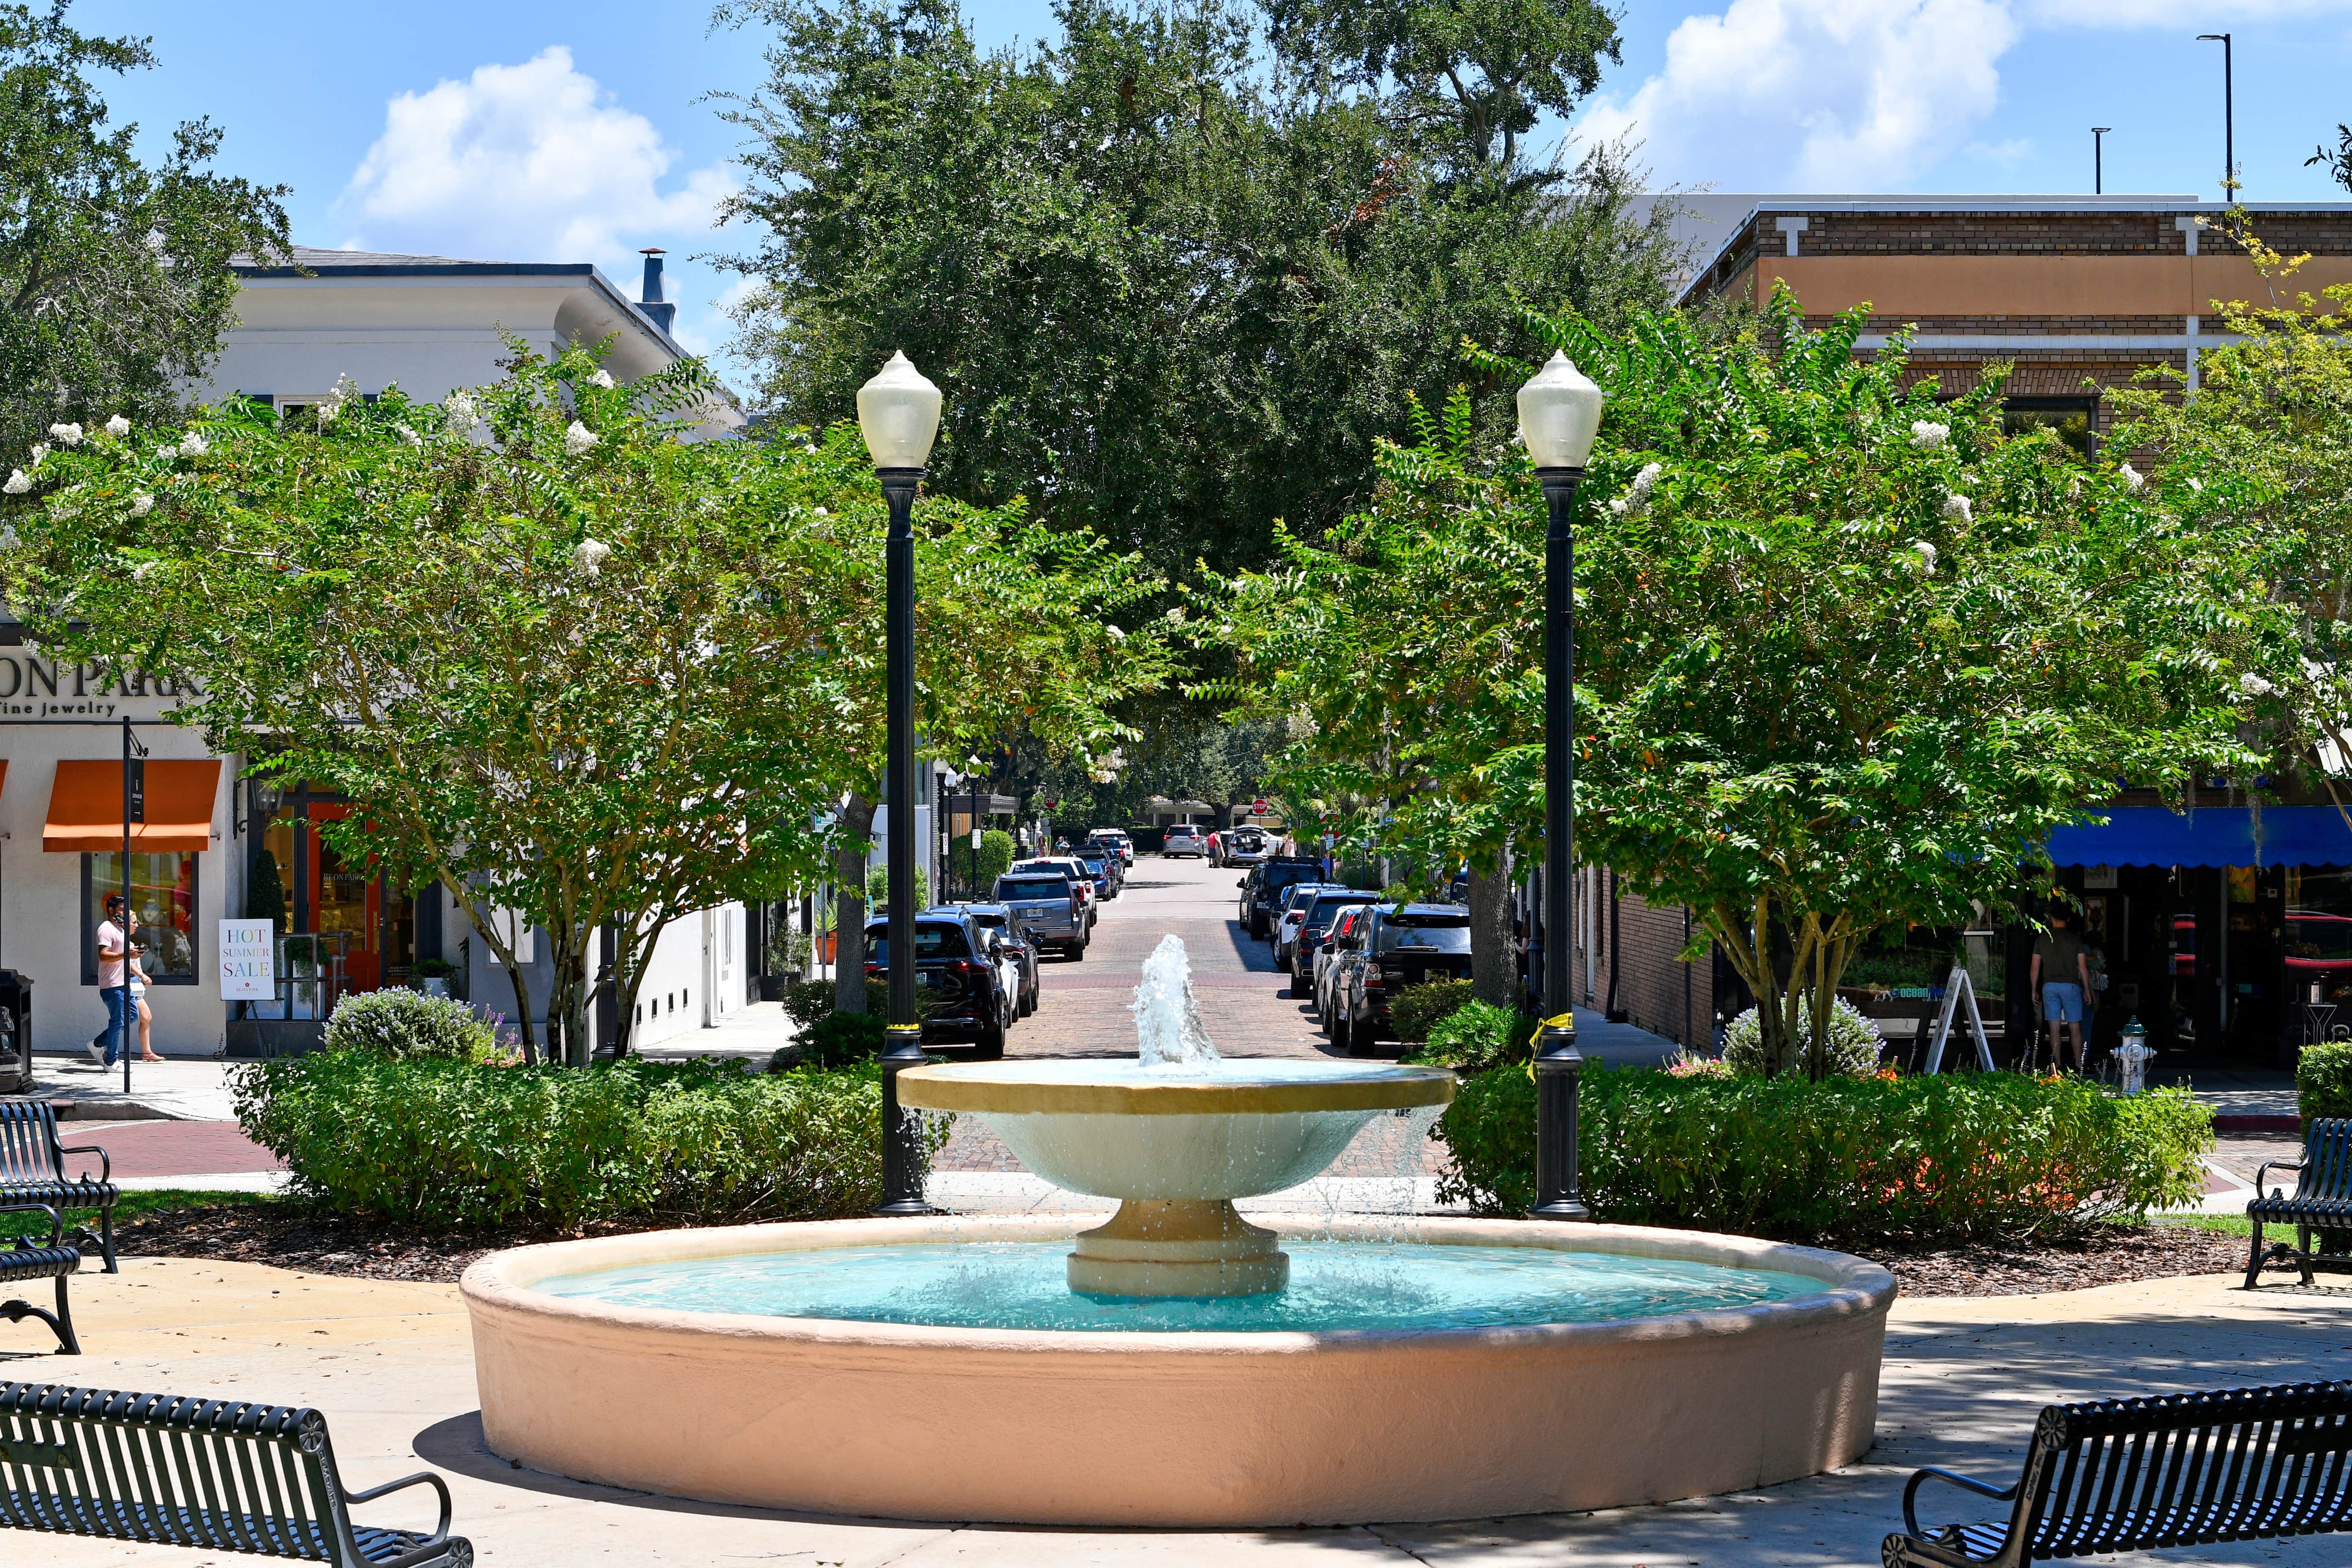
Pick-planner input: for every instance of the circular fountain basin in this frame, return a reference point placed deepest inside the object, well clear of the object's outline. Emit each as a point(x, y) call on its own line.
point(1176, 1144)
point(928, 1411)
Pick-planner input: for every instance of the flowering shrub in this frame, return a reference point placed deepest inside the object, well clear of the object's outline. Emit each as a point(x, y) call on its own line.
point(396, 1023)
point(1854, 1043)
point(1949, 1157)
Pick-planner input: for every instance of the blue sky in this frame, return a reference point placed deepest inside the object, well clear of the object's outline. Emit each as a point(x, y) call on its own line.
point(524, 129)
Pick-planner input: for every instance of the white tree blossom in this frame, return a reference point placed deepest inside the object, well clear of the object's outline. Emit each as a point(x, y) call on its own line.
point(1956, 509)
point(117, 427)
point(1927, 436)
point(17, 483)
point(141, 503)
point(194, 445)
point(2253, 685)
point(603, 378)
point(40, 451)
point(2131, 477)
point(69, 433)
point(1926, 554)
point(579, 438)
point(460, 411)
point(588, 556)
point(1636, 499)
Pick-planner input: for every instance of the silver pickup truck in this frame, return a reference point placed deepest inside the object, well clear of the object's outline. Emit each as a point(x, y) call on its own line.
point(1046, 905)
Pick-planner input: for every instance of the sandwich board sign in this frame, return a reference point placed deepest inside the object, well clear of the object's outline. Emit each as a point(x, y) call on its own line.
point(248, 961)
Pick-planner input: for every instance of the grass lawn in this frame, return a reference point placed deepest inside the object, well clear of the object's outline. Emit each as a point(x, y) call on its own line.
point(134, 1205)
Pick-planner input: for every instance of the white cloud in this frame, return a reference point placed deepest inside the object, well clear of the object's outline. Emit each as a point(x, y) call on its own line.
point(1815, 95)
point(2007, 155)
point(528, 163)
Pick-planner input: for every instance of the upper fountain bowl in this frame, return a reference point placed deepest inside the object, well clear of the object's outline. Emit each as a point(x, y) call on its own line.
point(1228, 1129)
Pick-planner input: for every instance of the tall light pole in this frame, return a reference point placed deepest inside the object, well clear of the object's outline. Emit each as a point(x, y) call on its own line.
point(898, 413)
point(2098, 161)
point(1559, 413)
point(2228, 117)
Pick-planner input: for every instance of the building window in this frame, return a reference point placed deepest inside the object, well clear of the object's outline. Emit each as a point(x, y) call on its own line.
point(2075, 419)
point(163, 897)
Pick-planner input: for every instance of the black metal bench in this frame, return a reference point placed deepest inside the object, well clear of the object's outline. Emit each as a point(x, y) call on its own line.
point(220, 1475)
point(2135, 1475)
point(29, 1258)
point(2322, 1198)
point(33, 1171)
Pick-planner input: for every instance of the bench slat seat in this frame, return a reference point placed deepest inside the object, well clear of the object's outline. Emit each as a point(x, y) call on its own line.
point(216, 1475)
point(2321, 1200)
point(33, 1171)
point(28, 1258)
point(2137, 1475)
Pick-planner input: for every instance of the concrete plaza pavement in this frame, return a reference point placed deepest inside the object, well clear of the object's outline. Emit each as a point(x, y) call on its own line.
point(390, 1366)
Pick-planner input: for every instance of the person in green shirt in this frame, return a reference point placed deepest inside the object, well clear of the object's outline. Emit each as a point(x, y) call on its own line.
point(2062, 978)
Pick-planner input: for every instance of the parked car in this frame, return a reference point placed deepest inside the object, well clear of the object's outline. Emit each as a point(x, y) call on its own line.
point(1102, 866)
point(1184, 839)
point(1051, 900)
point(1327, 961)
point(1244, 845)
point(1314, 928)
point(1115, 838)
point(1389, 951)
point(1295, 905)
point(1265, 887)
point(962, 993)
point(1017, 946)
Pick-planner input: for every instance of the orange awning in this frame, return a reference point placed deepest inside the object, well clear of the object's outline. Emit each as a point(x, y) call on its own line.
point(86, 808)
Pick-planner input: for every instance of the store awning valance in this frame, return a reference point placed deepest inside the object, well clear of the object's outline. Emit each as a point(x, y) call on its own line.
point(86, 807)
point(2211, 835)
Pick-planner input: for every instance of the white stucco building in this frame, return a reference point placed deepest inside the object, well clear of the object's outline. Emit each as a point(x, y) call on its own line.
point(214, 842)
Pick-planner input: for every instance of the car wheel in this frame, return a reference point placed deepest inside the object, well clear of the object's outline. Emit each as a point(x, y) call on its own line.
point(1340, 1033)
point(990, 1047)
point(1079, 954)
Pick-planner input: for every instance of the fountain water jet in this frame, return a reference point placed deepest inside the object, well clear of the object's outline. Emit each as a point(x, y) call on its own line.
point(1176, 1137)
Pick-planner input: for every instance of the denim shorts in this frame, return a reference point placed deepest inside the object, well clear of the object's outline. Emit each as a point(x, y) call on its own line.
point(2062, 1002)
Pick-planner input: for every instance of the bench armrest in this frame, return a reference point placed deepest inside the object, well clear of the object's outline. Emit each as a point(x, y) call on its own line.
point(2267, 1166)
point(56, 1219)
point(105, 1161)
point(423, 1478)
point(1911, 1493)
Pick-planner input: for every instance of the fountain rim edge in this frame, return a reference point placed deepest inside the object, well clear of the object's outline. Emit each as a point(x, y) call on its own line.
point(970, 1087)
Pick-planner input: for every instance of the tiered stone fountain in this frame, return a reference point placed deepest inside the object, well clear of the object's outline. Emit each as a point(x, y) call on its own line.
point(1403, 1369)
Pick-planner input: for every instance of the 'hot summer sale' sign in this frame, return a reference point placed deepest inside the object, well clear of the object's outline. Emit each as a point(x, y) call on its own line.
point(247, 970)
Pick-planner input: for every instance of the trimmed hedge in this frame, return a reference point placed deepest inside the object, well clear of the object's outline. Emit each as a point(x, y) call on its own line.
point(1418, 1007)
point(2323, 1081)
point(451, 1144)
point(1473, 1037)
point(1944, 1158)
point(395, 1022)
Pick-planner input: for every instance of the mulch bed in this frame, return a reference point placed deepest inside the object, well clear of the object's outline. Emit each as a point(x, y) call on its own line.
point(290, 1236)
point(2112, 1254)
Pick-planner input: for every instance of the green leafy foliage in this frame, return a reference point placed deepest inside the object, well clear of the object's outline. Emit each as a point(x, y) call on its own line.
point(1254, 258)
point(1475, 1036)
point(116, 271)
point(1853, 1049)
point(2323, 1081)
point(997, 848)
point(1415, 1008)
point(1942, 1158)
point(877, 887)
point(453, 1145)
point(839, 1039)
point(1845, 654)
point(395, 1023)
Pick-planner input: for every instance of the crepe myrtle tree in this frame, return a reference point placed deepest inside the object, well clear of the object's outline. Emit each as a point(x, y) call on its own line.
point(564, 663)
point(1846, 655)
point(2264, 454)
point(1018, 642)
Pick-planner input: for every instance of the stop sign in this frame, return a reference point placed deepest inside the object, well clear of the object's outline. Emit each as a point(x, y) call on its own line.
point(1258, 809)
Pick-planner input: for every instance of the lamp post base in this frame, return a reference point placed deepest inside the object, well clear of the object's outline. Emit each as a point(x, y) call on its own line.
point(904, 1163)
point(1557, 1066)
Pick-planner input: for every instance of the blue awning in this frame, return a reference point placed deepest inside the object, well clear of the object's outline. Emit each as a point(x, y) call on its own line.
point(2211, 835)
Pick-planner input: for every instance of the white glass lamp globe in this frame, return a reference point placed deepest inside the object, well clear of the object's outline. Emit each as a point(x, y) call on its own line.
point(899, 412)
point(1559, 413)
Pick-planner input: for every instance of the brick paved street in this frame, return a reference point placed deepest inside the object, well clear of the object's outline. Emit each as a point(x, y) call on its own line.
point(1084, 1011)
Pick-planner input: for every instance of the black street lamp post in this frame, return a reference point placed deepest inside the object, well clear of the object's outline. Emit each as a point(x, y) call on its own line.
point(1559, 413)
point(899, 412)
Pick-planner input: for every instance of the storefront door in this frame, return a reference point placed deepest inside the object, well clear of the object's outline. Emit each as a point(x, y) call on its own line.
point(372, 920)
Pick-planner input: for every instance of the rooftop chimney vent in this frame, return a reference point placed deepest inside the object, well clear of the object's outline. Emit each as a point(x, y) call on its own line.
point(662, 315)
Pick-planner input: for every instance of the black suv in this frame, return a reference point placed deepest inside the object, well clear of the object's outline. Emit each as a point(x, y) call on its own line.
point(1268, 884)
point(1387, 951)
point(955, 978)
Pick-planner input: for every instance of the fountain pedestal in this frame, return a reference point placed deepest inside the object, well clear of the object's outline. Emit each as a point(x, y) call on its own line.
point(1179, 1247)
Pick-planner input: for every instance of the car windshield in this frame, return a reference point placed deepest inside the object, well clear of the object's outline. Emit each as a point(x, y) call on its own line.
point(1413, 931)
point(988, 922)
point(1093, 862)
point(1328, 905)
point(931, 940)
point(1298, 899)
point(1280, 875)
point(1015, 889)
